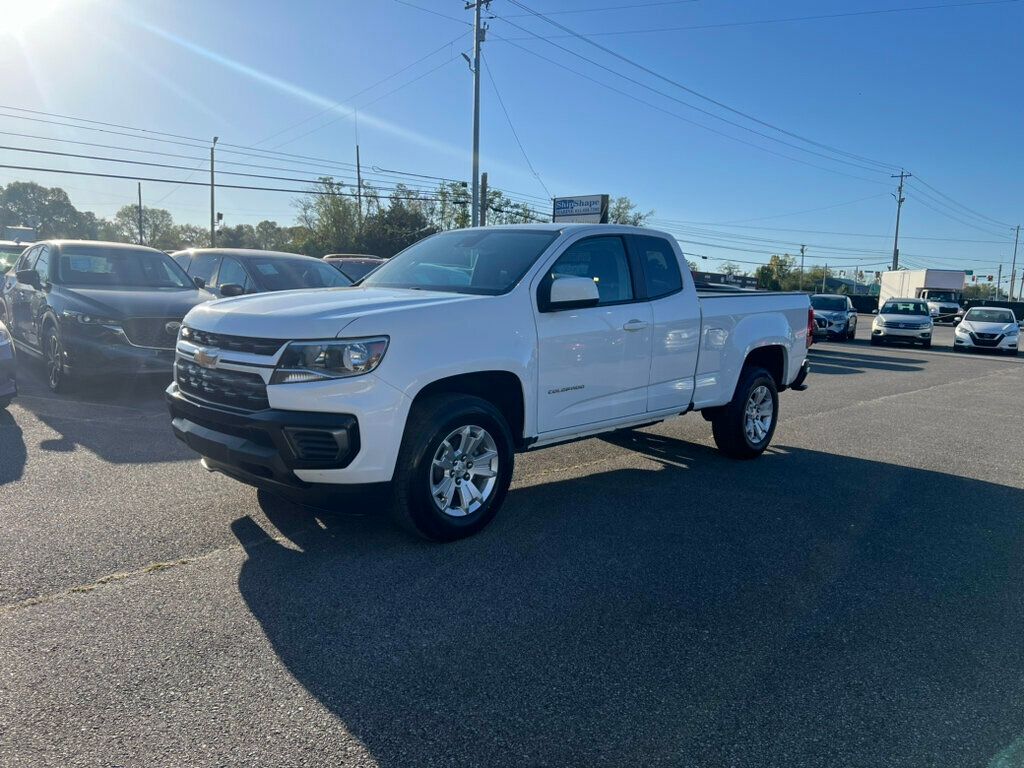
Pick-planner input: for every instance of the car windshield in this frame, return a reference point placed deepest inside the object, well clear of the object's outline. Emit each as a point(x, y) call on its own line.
point(356, 270)
point(828, 303)
point(990, 316)
point(488, 262)
point(942, 295)
point(103, 267)
point(905, 308)
point(280, 274)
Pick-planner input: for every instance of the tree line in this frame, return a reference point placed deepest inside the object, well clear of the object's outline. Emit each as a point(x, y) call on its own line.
point(331, 218)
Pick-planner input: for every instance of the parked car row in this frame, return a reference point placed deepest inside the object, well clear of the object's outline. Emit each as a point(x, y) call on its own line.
point(87, 308)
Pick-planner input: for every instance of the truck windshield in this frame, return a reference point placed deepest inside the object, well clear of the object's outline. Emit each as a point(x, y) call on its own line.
point(904, 308)
point(942, 296)
point(488, 262)
point(828, 303)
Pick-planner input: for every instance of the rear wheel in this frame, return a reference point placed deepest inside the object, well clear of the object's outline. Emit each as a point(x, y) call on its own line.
point(4, 402)
point(454, 467)
point(744, 427)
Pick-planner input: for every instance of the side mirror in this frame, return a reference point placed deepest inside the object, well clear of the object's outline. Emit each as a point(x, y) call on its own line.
point(573, 293)
point(231, 289)
point(199, 282)
point(29, 277)
point(874, 311)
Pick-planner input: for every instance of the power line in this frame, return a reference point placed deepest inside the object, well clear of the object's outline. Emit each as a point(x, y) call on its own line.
point(360, 93)
point(508, 118)
point(436, 13)
point(783, 20)
point(610, 8)
point(687, 89)
point(668, 112)
point(919, 180)
point(832, 232)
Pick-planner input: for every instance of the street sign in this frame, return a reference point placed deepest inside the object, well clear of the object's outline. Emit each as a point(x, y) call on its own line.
point(585, 209)
point(968, 272)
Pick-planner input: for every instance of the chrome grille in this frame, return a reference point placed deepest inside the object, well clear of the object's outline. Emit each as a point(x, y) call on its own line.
point(251, 346)
point(235, 389)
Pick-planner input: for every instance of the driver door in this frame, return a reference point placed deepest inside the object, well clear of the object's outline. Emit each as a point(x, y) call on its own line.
point(594, 363)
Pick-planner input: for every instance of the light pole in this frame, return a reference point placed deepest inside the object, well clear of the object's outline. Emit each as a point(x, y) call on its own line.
point(213, 198)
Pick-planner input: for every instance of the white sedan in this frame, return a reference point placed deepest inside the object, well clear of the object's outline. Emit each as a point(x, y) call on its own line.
point(990, 328)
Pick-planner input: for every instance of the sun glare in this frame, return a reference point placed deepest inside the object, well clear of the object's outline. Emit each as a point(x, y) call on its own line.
point(17, 16)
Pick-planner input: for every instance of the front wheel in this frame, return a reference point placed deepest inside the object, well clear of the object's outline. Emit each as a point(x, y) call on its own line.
point(744, 427)
point(852, 334)
point(454, 467)
point(927, 344)
point(57, 378)
point(875, 341)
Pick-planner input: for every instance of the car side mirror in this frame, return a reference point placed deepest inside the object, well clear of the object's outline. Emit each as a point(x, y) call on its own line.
point(874, 311)
point(573, 293)
point(29, 277)
point(199, 282)
point(231, 289)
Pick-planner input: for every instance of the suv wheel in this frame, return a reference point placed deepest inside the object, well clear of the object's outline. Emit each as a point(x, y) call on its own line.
point(454, 467)
point(744, 427)
point(57, 378)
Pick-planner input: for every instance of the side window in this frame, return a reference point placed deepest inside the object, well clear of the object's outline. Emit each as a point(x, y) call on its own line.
point(849, 304)
point(182, 261)
point(42, 266)
point(232, 272)
point(204, 266)
point(26, 259)
point(660, 265)
point(604, 260)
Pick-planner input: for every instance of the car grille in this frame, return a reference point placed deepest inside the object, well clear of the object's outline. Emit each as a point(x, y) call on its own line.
point(151, 331)
point(244, 344)
point(987, 339)
point(821, 322)
point(235, 389)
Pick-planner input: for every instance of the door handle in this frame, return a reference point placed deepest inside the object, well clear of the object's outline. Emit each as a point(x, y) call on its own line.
point(635, 325)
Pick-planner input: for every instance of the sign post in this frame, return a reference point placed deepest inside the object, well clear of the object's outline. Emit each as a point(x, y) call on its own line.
point(584, 209)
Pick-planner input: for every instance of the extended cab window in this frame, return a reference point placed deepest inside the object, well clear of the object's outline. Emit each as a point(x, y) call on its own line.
point(604, 260)
point(661, 268)
point(42, 266)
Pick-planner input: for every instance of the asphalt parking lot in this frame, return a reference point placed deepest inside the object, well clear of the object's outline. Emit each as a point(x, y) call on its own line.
point(855, 597)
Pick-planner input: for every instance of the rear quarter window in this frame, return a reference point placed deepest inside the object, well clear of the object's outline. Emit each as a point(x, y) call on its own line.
point(660, 266)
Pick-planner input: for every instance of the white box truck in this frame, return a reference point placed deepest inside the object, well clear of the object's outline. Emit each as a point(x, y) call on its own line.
point(943, 289)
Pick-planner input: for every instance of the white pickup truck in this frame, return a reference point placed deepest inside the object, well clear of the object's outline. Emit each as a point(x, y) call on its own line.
point(470, 346)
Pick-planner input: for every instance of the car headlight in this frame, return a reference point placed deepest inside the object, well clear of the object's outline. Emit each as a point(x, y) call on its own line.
point(960, 330)
point(304, 361)
point(87, 319)
point(879, 322)
point(5, 336)
point(1014, 331)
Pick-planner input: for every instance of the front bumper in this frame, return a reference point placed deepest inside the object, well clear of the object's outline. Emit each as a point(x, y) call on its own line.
point(8, 371)
point(1001, 344)
point(888, 333)
point(826, 329)
point(107, 353)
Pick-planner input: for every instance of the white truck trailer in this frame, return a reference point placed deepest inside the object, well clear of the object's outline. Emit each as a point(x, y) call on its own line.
point(943, 289)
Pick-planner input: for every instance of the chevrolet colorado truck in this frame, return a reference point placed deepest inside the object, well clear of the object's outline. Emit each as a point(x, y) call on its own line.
point(468, 347)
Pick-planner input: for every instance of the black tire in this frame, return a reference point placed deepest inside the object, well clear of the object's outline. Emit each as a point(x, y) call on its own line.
point(57, 378)
point(4, 402)
point(728, 423)
point(875, 341)
point(852, 333)
point(430, 422)
point(926, 344)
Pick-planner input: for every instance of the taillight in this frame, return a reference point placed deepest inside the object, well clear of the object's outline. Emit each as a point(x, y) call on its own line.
point(810, 326)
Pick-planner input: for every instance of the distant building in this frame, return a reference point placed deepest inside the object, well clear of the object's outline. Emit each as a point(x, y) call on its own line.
point(719, 280)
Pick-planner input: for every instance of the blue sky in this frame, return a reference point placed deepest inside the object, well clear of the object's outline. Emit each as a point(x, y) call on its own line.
point(936, 91)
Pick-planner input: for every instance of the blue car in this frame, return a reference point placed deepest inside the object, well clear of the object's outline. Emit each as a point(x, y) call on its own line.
point(8, 381)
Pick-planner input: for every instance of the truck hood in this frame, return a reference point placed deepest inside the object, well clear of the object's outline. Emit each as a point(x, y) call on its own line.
point(310, 314)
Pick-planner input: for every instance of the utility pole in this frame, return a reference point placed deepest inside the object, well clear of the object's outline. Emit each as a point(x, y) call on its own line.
point(824, 274)
point(479, 32)
point(142, 239)
point(803, 248)
point(213, 200)
point(359, 188)
point(1013, 268)
point(900, 200)
point(999, 281)
point(483, 199)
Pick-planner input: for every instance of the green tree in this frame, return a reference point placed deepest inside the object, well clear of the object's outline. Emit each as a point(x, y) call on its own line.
point(777, 274)
point(158, 230)
point(730, 268)
point(47, 209)
point(330, 216)
point(624, 211)
point(192, 236)
point(501, 210)
point(405, 220)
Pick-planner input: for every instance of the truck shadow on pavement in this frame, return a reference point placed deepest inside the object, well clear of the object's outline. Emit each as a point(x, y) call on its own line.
point(802, 609)
point(13, 453)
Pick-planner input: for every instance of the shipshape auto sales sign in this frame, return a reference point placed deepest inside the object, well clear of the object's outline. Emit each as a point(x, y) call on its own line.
point(588, 209)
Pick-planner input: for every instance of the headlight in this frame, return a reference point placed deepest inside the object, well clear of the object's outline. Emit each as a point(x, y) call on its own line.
point(879, 322)
point(86, 319)
point(5, 336)
point(319, 360)
point(1014, 331)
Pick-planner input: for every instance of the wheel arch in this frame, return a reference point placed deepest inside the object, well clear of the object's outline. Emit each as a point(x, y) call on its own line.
point(503, 389)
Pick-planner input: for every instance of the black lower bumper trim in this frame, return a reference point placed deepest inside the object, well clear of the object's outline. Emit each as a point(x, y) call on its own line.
point(262, 445)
